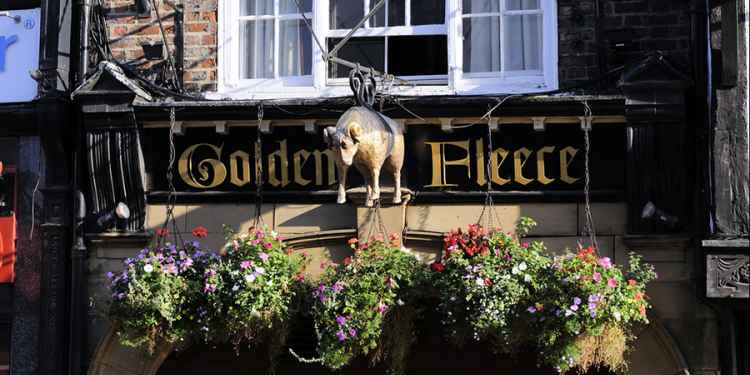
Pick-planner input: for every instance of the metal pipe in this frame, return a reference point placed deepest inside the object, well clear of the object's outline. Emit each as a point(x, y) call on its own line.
point(85, 21)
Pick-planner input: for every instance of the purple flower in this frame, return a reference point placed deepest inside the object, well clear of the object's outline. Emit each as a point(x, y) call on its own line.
point(382, 308)
point(245, 264)
point(323, 298)
point(110, 275)
point(593, 313)
point(209, 288)
point(605, 262)
point(340, 320)
point(141, 256)
point(594, 298)
point(574, 307)
point(531, 309)
point(576, 301)
point(592, 306)
point(322, 288)
point(352, 332)
point(341, 335)
point(263, 257)
point(337, 287)
point(187, 263)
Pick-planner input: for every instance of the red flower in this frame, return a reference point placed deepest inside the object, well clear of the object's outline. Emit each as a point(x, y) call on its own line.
point(437, 266)
point(162, 232)
point(352, 241)
point(393, 236)
point(638, 296)
point(642, 310)
point(347, 261)
point(200, 232)
point(631, 282)
point(487, 281)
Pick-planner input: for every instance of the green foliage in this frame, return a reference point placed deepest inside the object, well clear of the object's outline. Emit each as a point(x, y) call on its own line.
point(367, 306)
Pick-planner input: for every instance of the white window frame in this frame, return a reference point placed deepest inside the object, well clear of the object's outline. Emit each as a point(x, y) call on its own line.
point(319, 85)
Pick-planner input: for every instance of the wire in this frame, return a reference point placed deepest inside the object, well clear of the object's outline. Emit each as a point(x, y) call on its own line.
point(589, 227)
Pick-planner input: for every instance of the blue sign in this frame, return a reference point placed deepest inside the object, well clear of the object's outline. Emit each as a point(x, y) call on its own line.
point(5, 42)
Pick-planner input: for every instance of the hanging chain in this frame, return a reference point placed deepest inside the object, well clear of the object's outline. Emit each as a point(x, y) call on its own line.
point(258, 220)
point(378, 224)
point(171, 195)
point(589, 228)
point(488, 209)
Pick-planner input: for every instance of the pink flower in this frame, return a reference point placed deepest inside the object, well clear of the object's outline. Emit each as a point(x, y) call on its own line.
point(264, 256)
point(605, 262)
point(612, 282)
point(245, 264)
point(597, 277)
point(268, 245)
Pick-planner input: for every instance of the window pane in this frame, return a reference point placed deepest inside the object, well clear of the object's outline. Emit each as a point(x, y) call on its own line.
point(345, 14)
point(295, 49)
point(521, 4)
point(481, 44)
point(427, 12)
point(523, 42)
point(290, 6)
point(418, 55)
point(396, 12)
point(256, 49)
point(256, 7)
point(481, 6)
point(368, 51)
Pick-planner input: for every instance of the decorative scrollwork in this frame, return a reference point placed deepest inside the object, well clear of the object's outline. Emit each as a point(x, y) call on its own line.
point(363, 87)
point(728, 276)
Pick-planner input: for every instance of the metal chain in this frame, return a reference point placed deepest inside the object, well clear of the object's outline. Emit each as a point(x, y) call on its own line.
point(171, 195)
point(378, 224)
point(258, 220)
point(489, 205)
point(589, 227)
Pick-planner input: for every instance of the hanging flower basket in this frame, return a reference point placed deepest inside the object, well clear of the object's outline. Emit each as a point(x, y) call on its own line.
point(368, 305)
point(585, 316)
point(246, 294)
point(484, 280)
point(149, 297)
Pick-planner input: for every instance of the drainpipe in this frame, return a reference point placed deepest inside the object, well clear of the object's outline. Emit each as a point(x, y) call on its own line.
point(85, 6)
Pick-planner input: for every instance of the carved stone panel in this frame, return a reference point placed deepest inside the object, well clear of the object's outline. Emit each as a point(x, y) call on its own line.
point(727, 276)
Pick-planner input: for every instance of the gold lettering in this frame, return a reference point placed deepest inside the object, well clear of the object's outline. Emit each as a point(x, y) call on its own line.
point(520, 157)
point(283, 164)
point(565, 163)
point(318, 156)
point(299, 160)
point(481, 180)
point(439, 163)
point(186, 169)
point(498, 157)
point(234, 176)
point(540, 170)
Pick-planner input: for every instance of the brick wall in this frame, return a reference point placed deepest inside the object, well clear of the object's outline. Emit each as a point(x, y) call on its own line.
point(128, 32)
point(643, 25)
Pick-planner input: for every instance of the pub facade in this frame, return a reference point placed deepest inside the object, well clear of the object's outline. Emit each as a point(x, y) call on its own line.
point(591, 117)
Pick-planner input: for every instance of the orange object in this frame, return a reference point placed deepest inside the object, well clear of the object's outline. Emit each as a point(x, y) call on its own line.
point(7, 248)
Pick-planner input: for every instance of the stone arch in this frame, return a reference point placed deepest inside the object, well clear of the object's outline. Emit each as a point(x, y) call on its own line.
point(656, 352)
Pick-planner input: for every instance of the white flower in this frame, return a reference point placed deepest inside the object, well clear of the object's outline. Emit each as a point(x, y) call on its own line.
point(400, 302)
point(250, 278)
point(527, 278)
point(269, 282)
point(148, 268)
point(480, 281)
point(618, 316)
point(260, 270)
point(274, 234)
point(514, 270)
point(235, 287)
point(522, 266)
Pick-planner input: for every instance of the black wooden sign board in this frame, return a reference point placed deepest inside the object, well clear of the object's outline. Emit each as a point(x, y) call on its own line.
point(522, 160)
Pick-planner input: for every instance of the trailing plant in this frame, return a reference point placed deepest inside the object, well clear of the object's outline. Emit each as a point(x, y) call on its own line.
point(150, 296)
point(484, 280)
point(246, 295)
point(367, 306)
point(584, 318)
